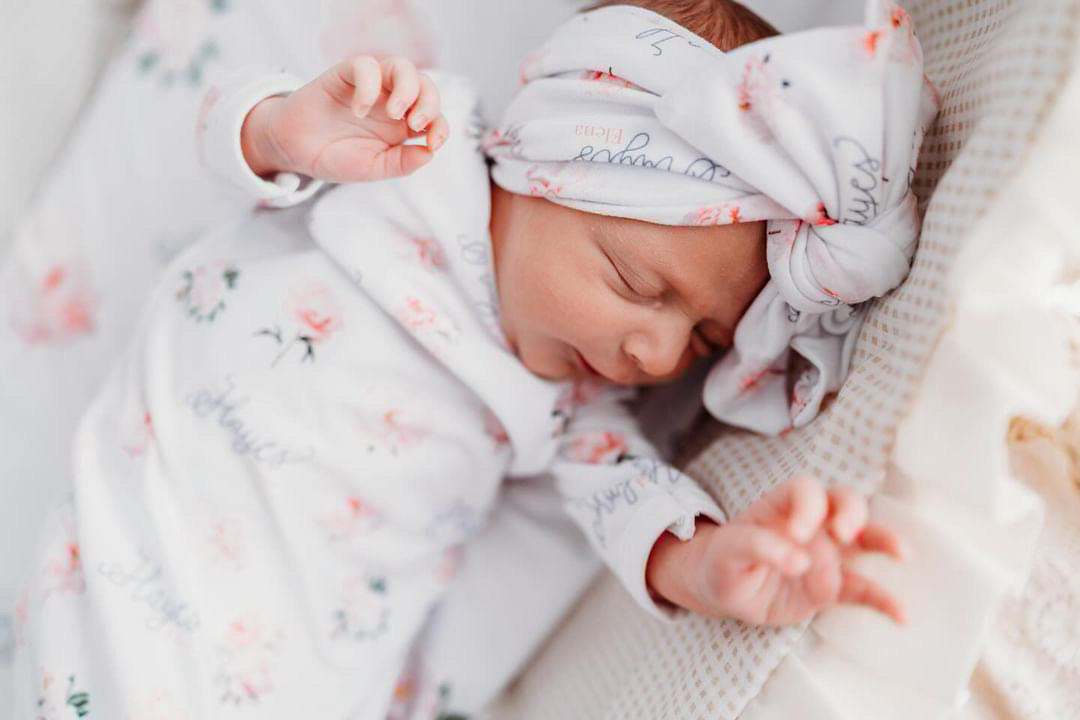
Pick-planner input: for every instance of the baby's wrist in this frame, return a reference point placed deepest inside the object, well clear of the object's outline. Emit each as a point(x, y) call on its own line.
point(261, 150)
point(673, 563)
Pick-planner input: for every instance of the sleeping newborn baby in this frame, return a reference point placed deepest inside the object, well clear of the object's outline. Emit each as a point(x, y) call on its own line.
point(317, 412)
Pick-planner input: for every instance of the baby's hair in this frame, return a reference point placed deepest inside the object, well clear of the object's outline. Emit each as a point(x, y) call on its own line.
point(724, 23)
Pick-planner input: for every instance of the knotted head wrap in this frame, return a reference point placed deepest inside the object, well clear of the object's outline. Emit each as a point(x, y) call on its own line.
point(626, 113)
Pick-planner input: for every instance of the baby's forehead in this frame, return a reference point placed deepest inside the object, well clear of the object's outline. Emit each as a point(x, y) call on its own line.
point(692, 252)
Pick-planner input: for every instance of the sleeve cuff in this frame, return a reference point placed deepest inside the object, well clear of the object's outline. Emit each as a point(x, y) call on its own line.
point(220, 148)
point(675, 513)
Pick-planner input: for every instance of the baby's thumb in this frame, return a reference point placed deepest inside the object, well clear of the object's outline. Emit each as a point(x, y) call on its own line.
point(404, 160)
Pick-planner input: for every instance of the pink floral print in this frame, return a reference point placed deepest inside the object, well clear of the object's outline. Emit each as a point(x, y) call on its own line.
point(139, 435)
point(174, 40)
point(59, 307)
point(246, 651)
point(227, 543)
point(204, 289)
point(598, 448)
point(426, 251)
point(352, 518)
point(363, 612)
point(758, 96)
point(496, 431)
point(721, 214)
point(314, 314)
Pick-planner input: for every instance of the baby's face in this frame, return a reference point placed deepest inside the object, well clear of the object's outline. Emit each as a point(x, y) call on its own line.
point(637, 303)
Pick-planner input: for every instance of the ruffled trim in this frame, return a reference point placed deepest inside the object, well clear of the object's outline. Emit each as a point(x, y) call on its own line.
point(971, 525)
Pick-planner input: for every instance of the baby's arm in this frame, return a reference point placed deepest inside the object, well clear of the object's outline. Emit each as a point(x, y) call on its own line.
point(265, 132)
point(779, 561)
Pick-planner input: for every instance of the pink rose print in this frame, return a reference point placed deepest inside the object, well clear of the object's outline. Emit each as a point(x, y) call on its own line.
point(429, 327)
point(426, 251)
point(576, 395)
point(363, 612)
point(204, 288)
point(353, 518)
point(721, 214)
point(541, 184)
point(559, 181)
point(381, 28)
point(759, 96)
point(395, 429)
point(496, 431)
point(227, 543)
point(898, 34)
point(317, 311)
point(63, 569)
point(245, 673)
point(598, 448)
point(315, 314)
point(139, 435)
point(173, 37)
point(532, 65)
point(59, 307)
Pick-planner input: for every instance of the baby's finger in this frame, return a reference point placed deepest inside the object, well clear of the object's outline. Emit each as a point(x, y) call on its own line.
point(847, 514)
point(756, 545)
point(806, 505)
point(427, 105)
point(367, 78)
point(402, 81)
point(857, 590)
point(437, 132)
point(877, 539)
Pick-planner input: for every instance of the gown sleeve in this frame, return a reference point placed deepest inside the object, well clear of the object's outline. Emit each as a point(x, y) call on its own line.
point(224, 109)
point(622, 495)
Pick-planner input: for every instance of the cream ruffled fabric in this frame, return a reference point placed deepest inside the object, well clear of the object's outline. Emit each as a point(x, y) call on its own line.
point(1013, 350)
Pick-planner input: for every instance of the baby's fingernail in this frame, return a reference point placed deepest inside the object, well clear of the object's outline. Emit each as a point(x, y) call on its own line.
point(395, 110)
point(419, 121)
point(361, 111)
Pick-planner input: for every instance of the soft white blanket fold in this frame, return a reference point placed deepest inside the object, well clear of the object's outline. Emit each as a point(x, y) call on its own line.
point(626, 113)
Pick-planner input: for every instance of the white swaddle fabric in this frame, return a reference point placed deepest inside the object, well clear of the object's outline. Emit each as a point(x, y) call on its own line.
point(626, 113)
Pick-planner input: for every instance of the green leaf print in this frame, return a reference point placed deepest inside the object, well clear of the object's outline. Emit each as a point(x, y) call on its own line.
point(78, 700)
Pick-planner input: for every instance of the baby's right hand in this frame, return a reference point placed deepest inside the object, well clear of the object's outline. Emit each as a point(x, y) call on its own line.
point(349, 124)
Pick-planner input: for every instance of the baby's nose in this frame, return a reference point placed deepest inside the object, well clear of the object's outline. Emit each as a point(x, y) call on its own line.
point(657, 354)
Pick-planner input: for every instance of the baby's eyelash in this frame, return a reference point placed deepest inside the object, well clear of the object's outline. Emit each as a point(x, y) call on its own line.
point(629, 286)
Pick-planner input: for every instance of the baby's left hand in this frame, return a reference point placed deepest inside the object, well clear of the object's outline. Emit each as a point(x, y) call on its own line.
point(780, 561)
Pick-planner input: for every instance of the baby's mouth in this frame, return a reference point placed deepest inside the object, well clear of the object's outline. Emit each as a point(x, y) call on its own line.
point(589, 369)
